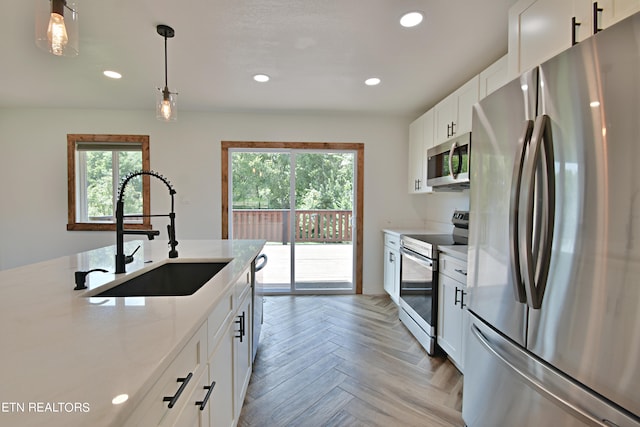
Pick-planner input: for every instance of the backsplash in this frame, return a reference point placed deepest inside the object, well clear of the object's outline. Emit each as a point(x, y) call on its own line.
point(436, 208)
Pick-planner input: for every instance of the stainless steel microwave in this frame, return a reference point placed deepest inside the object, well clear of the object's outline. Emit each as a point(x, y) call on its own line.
point(448, 164)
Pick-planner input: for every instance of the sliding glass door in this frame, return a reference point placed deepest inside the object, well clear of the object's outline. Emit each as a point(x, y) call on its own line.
point(306, 216)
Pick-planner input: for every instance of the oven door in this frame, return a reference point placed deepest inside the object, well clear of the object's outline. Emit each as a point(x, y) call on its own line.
point(418, 297)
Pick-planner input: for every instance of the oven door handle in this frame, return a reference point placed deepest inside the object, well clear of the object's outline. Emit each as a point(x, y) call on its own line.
point(417, 258)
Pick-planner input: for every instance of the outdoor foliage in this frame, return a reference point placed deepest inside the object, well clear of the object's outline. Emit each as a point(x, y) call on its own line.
point(323, 180)
point(101, 180)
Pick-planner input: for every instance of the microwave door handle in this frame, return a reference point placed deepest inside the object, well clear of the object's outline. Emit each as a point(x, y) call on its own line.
point(452, 151)
point(514, 200)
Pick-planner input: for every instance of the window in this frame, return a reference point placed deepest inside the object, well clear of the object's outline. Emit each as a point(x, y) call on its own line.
point(96, 164)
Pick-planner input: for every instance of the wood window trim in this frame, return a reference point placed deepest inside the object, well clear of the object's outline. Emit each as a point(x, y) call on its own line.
point(358, 147)
point(72, 139)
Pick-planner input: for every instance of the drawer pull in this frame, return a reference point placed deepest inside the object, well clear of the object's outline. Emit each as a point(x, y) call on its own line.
point(173, 399)
point(461, 271)
point(204, 401)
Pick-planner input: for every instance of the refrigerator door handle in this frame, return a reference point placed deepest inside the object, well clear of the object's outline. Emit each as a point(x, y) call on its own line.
point(536, 268)
point(536, 384)
point(514, 201)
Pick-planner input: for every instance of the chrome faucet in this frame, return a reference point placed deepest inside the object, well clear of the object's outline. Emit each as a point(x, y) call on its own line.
point(121, 259)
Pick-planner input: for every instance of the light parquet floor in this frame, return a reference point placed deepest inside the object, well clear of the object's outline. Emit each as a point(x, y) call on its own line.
point(346, 361)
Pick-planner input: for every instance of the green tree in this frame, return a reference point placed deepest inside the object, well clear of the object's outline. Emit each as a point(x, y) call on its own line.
point(100, 182)
point(323, 180)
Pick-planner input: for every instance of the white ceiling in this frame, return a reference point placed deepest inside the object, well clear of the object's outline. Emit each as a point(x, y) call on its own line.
point(317, 52)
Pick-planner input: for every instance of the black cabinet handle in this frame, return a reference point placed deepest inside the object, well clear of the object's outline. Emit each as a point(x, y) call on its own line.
point(596, 12)
point(173, 399)
point(462, 294)
point(574, 26)
point(455, 300)
point(204, 401)
point(453, 128)
point(240, 323)
point(458, 270)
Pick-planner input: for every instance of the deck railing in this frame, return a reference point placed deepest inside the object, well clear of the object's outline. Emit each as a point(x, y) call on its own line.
point(272, 225)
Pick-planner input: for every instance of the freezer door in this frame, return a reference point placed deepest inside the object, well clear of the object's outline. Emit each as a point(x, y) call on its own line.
point(505, 386)
point(500, 123)
point(588, 325)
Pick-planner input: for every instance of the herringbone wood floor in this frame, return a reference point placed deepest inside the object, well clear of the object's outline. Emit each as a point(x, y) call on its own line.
point(346, 361)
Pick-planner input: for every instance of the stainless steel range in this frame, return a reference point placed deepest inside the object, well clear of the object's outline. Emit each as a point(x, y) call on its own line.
point(418, 279)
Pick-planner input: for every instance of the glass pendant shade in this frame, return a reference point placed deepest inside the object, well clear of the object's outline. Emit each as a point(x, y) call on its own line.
point(57, 29)
point(166, 105)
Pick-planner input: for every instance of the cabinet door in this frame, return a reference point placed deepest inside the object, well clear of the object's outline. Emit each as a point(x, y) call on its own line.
point(392, 273)
point(416, 148)
point(538, 30)
point(242, 352)
point(449, 317)
point(388, 267)
point(192, 415)
point(221, 413)
point(444, 116)
point(428, 141)
point(466, 96)
point(493, 77)
point(616, 10)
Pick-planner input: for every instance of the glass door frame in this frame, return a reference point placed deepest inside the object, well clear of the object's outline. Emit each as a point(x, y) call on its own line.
point(357, 149)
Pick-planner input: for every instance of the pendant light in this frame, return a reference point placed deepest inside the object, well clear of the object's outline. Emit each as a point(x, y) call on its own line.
point(57, 27)
point(166, 108)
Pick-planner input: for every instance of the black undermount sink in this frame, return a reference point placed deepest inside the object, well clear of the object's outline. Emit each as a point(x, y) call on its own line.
point(170, 279)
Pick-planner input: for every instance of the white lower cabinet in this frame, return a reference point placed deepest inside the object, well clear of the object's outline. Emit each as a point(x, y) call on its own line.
point(242, 351)
point(221, 410)
point(452, 290)
point(165, 402)
point(205, 384)
point(391, 266)
point(198, 414)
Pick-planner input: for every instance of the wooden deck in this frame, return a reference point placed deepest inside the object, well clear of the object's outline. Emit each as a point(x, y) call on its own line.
point(318, 266)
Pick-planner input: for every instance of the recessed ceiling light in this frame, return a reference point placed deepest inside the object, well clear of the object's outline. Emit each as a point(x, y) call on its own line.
point(112, 74)
point(372, 81)
point(121, 398)
point(411, 19)
point(262, 78)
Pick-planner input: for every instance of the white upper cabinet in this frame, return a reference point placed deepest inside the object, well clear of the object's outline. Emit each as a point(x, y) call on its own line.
point(420, 140)
point(540, 29)
point(613, 11)
point(494, 76)
point(453, 114)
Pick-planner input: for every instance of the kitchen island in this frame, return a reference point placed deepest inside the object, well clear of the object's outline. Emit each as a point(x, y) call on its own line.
point(69, 360)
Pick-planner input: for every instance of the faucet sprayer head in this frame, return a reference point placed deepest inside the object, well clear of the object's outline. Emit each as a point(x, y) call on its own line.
point(127, 178)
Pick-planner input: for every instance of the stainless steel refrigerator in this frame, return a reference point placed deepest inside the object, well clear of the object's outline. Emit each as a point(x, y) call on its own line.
point(554, 242)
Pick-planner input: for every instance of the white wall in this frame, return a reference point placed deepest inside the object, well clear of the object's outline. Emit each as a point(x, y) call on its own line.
point(33, 173)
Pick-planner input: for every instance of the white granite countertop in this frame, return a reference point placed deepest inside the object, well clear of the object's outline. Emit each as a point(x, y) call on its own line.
point(457, 251)
point(64, 357)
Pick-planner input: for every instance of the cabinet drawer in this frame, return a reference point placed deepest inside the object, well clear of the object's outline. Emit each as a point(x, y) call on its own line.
point(242, 285)
point(192, 415)
point(153, 410)
point(218, 320)
point(392, 240)
point(453, 267)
